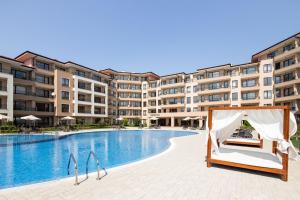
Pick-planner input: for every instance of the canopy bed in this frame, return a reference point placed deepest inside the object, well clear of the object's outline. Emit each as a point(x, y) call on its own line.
point(273, 123)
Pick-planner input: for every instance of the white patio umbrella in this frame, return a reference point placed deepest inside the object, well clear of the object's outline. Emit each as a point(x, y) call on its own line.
point(119, 119)
point(68, 118)
point(2, 117)
point(31, 118)
point(154, 118)
point(187, 119)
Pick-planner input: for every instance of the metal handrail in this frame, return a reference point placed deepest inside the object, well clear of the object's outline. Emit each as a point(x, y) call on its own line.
point(75, 167)
point(98, 165)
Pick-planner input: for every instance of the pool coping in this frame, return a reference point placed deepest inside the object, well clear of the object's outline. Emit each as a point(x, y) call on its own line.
point(116, 168)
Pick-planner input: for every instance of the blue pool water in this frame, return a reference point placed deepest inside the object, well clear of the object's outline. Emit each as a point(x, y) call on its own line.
point(23, 161)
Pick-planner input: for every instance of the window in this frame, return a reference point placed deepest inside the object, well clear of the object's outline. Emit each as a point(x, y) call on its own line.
point(214, 74)
point(188, 109)
point(288, 91)
point(64, 107)
point(144, 86)
point(80, 73)
point(288, 62)
point(188, 100)
point(249, 70)
point(188, 89)
point(0, 67)
point(267, 68)
point(42, 65)
point(19, 74)
point(196, 99)
point(288, 77)
point(196, 88)
point(65, 95)
point(267, 81)
point(278, 79)
point(42, 93)
point(268, 94)
point(288, 47)
point(249, 96)
point(249, 83)
point(42, 79)
point(277, 65)
point(20, 89)
point(65, 82)
point(272, 55)
point(234, 96)
point(235, 84)
point(199, 77)
point(144, 95)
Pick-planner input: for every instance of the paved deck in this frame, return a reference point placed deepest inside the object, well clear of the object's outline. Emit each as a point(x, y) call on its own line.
point(181, 173)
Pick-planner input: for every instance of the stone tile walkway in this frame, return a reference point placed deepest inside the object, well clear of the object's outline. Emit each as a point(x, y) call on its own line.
point(181, 173)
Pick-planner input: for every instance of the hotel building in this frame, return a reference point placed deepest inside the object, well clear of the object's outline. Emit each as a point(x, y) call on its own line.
point(51, 89)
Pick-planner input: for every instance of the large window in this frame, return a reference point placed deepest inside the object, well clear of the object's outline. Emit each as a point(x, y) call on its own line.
point(235, 96)
point(249, 83)
point(214, 74)
point(249, 70)
point(64, 107)
point(80, 73)
point(249, 96)
point(235, 84)
point(19, 74)
point(288, 91)
point(42, 93)
point(288, 62)
point(43, 79)
point(65, 95)
point(268, 94)
point(42, 65)
point(288, 47)
point(288, 77)
point(65, 82)
point(267, 68)
point(267, 81)
point(188, 100)
point(20, 89)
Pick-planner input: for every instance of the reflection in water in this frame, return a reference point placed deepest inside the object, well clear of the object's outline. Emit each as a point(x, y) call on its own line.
point(36, 162)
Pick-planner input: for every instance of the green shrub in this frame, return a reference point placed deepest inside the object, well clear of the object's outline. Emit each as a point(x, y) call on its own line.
point(125, 122)
point(136, 122)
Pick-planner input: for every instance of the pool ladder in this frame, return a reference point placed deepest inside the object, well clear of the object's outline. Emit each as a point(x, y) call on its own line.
point(92, 153)
point(72, 158)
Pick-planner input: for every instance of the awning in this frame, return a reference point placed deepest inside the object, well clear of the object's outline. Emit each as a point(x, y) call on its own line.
point(154, 118)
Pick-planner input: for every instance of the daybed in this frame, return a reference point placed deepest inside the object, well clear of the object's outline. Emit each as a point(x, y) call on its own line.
point(273, 123)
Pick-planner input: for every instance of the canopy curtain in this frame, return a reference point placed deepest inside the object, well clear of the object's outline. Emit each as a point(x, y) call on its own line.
point(224, 123)
point(268, 123)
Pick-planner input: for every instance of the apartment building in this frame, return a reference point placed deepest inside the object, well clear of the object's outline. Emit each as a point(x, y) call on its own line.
point(285, 57)
point(126, 93)
point(51, 89)
point(6, 87)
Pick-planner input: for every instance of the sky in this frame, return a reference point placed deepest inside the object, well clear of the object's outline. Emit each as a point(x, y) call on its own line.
point(163, 36)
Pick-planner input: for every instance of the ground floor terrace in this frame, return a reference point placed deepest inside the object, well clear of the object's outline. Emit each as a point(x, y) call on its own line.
point(178, 173)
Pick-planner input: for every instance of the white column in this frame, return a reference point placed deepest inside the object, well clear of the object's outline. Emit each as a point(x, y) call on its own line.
point(172, 121)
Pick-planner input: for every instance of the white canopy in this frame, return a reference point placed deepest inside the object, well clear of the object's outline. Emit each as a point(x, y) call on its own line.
point(153, 118)
point(119, 119)
point(186, 119)
point(68, 118)
point(3, 117)
point(268, 123)
point(30, 118)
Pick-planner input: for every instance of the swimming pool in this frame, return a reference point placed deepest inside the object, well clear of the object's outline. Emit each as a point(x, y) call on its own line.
point(47, 159)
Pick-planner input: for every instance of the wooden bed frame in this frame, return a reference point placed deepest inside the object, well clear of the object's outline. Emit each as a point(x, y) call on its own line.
point(286, 118)
point(246, 143)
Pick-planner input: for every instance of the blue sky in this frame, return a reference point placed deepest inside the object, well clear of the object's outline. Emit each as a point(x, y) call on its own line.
point(164, 36)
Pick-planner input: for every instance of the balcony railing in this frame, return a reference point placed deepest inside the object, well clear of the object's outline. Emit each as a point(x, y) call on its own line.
point(21, 108)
